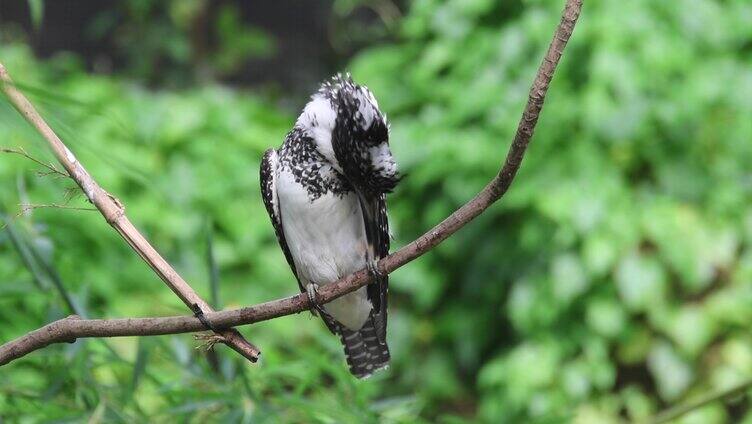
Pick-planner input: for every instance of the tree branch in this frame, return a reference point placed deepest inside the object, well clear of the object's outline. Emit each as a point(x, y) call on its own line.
point(719, 395)
point(71, 328)
point(114, 213)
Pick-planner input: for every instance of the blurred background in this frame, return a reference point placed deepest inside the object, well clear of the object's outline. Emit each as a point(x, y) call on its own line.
point(612, 281)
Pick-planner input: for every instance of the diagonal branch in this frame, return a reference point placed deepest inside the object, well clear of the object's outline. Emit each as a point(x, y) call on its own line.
point(707, 399)
point(114, 213)
point(72, 327)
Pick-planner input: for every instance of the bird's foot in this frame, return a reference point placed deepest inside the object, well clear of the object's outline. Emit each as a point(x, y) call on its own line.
point(373, 268)
point(312, 289)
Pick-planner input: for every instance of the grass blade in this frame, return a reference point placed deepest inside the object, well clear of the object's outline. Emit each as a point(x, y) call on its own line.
point(211, 263)
point(142, 358)
point(27, 258)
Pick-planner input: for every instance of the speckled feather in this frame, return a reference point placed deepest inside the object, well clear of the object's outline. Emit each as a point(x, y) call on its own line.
point(268, 172)
point(337, 147)
point(298, 154)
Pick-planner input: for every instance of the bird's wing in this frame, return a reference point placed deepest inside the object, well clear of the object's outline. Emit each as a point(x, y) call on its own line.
point(377, 233)
point(268, 178)
point(271, 201)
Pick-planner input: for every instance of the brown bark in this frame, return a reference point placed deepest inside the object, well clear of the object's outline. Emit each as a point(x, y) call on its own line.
point(71, 328)
point(114, 213)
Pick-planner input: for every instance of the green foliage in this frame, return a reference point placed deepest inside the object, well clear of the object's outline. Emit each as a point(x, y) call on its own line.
point(176, 159)
point(612, 279)
point(36, 10)
point(176, 42)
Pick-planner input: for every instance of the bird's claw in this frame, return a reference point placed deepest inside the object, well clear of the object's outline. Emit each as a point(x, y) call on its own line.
point(312, 290)
point(373, 269)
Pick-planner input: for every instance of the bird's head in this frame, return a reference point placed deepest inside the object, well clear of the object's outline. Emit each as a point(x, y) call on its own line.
point(352, 134)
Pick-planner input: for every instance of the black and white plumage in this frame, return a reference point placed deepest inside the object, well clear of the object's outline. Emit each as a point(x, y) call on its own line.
point(325, 192)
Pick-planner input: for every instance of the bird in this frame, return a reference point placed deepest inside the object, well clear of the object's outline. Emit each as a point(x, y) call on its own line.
point(325, 191)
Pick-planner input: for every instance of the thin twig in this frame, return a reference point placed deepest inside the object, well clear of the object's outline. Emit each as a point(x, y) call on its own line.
point(716, 396)
point(72, 328)
point(114, 213)
point(51, 169)
point(26, 207)
point(208, 341)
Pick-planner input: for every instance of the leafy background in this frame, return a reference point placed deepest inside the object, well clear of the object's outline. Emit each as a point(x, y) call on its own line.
point(611, 281)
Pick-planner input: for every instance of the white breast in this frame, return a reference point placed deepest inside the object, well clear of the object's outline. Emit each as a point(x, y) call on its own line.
point(326, 237)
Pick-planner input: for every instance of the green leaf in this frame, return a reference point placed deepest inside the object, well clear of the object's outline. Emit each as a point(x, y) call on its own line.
point(36, 10)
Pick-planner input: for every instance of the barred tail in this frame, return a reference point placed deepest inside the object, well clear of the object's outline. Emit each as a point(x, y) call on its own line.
point(364, 352)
